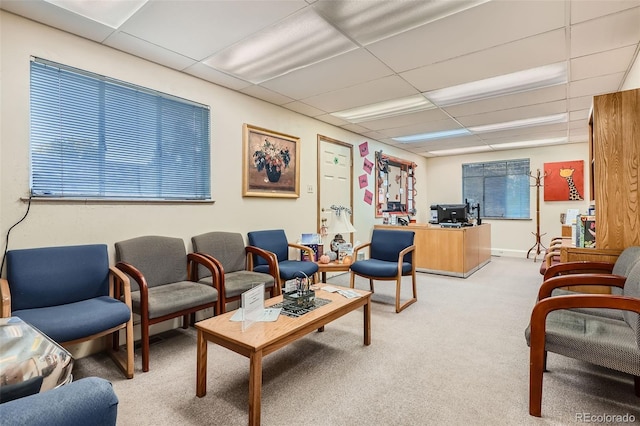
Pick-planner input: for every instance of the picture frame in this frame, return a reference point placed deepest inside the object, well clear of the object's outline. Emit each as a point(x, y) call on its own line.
point(270, 163)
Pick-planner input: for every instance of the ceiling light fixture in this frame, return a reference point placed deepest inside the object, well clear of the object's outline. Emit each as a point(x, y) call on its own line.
point(517, 124)
point(521, 81)
point(528, 144)
point(300, 40)
point(433, 135)
point(385, 109)
point(110, 13)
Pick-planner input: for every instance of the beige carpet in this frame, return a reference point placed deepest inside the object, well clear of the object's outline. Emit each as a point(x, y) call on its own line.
point(456, 357)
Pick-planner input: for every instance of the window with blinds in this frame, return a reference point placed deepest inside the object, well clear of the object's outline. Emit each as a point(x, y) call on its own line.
point(96, 137)
point(502, 188)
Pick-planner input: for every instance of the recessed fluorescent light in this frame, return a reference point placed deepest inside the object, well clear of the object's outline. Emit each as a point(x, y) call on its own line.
point(516, 124)
point(434, 135)
point(457, 151)
point(300, 40)
point(385, 109)
point(521, 81)
point(110, 13)
point(527, 144)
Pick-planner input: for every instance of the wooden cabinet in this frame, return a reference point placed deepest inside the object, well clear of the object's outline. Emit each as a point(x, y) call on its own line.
point(615, 158)
point(458, 252)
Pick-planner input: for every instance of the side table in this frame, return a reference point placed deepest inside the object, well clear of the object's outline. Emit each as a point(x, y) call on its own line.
point(334, 266)
point(31, 362)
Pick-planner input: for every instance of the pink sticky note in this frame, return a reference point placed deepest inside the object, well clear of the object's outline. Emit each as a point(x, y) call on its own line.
point(364, 181)
point(367, 166)
point(364, 149)
point(368, 196)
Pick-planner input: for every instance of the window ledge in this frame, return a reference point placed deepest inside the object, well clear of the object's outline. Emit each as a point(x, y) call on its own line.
point(79, 200)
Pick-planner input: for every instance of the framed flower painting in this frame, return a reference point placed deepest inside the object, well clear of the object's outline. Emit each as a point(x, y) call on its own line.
point(270, 163)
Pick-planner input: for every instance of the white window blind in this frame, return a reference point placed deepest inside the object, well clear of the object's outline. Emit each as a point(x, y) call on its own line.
point(502, 188)
point(95, 137)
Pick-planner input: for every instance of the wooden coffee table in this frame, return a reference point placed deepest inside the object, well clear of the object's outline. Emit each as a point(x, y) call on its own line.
point(263, 338)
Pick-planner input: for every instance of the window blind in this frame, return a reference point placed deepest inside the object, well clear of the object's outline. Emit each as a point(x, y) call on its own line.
point(96, 137)
point(500, 187)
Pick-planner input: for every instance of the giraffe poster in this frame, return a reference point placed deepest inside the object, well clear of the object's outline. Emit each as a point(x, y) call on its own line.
point(564, 181)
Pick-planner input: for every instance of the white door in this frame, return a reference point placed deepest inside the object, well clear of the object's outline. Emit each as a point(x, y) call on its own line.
point(335, 181)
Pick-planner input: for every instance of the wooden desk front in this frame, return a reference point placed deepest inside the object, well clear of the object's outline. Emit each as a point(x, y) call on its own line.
point(458, 252)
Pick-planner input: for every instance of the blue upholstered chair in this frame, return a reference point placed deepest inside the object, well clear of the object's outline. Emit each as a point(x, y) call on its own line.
point(88, 401)
point(70, 294)
point(228, 252)
point(162, 287)
point(275, 241)
point(391, 256)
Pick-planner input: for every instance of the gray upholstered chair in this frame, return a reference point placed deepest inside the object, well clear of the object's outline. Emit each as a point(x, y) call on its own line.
point(391, 256)
point(162, 287)
point(228, 252)
point(557, 326)
point(71, 294)
point(622, 265)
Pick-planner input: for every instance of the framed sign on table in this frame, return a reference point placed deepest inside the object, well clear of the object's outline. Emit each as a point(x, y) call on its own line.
point(270, 163)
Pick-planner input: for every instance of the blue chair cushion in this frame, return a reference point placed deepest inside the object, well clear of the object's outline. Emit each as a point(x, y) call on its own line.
point(274, 241)
point(77, 320)
point(50, 276)
point(290, 269)
point(88, 401)
point(380, 268)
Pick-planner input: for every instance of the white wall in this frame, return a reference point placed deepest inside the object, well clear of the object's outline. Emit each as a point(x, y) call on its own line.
point(63, 223)
point(633, 78)
point(511, 237)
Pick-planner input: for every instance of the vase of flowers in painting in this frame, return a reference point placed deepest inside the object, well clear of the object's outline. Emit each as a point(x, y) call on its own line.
point(272, 158)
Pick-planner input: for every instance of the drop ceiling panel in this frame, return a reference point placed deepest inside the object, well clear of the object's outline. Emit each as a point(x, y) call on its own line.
point(460, 34)
point(585, 10)
point(146, 50)
point(596, 86)
point(609, 32)
point(407, 119)
point(418, 128)
point(207, 73)
point(531, 52)
point(56, 17)
point(582, 102)
point(332, 74)
point(370, 92)
point(198, 29)
point(608, 62)
point(266, 95)
point(304, 109)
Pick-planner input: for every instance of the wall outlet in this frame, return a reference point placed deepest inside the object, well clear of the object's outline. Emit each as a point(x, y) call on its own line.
point(310, 189)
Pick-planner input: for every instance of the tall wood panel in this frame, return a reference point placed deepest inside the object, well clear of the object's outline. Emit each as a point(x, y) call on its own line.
point(616, 168)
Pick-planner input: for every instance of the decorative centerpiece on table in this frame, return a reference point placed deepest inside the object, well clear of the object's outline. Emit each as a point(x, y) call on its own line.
point(272, 158)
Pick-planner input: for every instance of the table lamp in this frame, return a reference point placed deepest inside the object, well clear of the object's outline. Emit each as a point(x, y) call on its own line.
point(339, 225)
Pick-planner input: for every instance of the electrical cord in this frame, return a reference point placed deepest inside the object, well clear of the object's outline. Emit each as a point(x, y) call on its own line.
point(6, 245)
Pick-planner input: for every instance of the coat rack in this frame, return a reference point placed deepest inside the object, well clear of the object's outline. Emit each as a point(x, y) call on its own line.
point(538, 246)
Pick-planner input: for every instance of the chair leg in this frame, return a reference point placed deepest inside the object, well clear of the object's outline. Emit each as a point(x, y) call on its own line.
point(399, 307)
point(144, 331)
point(371, 285)
point(352, 282)
point(185, 321)
point(536, 368)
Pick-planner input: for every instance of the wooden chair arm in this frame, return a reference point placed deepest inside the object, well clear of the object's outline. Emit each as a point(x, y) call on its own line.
point(133, 272)
point(578, 268)
point(5, 296)
point(360, 247)
point(119, 285)
point(549, 285)
point(411, 249)
point(209, 262)
point(270, 257)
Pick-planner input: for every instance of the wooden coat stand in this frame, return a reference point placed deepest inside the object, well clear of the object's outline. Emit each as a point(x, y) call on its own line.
point(538, 246)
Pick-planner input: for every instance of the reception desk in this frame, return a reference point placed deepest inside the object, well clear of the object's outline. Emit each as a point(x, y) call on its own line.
point(458, 252)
